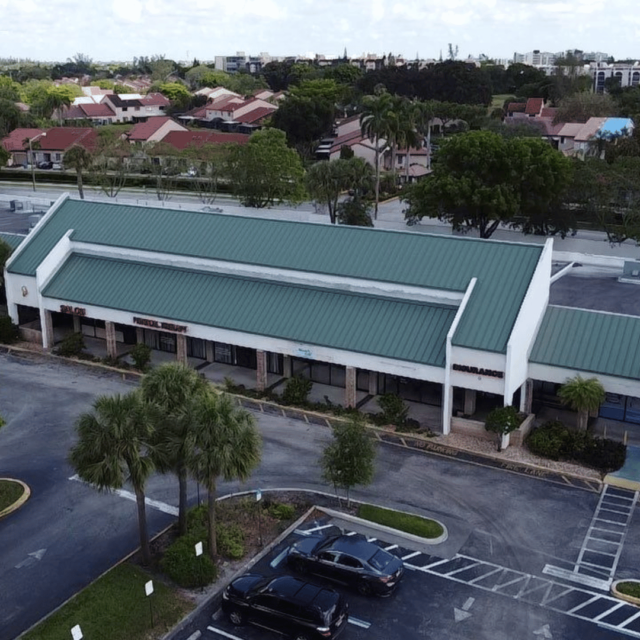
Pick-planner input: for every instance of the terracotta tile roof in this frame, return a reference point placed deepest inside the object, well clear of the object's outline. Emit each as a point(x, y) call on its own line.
point(184, 139)
point(254, 116)
point(198, 112)
point(516, 107)
point(548, 112)
point(224, 103)
point(15, 140)
point(74, 112)
point(144, 130)
point(97, 110)
point(534, 106)
point(348, 140)
point(62, 138)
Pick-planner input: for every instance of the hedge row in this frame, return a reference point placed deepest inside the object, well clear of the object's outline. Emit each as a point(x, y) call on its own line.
point(556, 441)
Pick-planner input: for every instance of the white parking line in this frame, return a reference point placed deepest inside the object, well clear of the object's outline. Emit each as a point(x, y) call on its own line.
point(279, 558)
point(411, 555)
point(154, 504)
point(323, 526)
point(359, 623)
point(389, 548)
point(223, 633)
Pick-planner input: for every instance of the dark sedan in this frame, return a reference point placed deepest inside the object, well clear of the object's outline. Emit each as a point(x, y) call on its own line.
point(286, 605)
point(349, 560)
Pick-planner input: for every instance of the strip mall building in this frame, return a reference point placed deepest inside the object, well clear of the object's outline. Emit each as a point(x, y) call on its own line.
point(436, 319)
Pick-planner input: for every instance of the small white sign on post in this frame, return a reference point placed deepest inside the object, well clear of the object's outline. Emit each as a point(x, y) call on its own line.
point(258, 495)
point(76, 633)
point(198, 548)
point(148, 587)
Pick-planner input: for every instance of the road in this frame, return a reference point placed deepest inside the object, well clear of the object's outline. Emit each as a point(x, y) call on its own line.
point(519, 522)
point(390, 216)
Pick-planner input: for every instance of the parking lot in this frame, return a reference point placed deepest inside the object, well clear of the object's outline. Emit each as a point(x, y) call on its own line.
point(458, 598)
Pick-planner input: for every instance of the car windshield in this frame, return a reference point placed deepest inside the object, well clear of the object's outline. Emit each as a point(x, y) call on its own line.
point(324, 543)
point(380, 559)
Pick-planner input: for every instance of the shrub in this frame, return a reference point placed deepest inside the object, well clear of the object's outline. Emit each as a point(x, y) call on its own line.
point(555, 441)
point(503, 420)
point(141, 356)
point(296, 390)
point(281, 511)
point(8, 331)
point(71, 346)
point(550, 440)
point(394, 410)
point(230, 541)
point(186, 569)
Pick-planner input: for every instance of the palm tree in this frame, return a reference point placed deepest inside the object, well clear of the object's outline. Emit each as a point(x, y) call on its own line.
point(80, 159)
point(408, 136)
point(223, 441)
point(375, 121)
point(114, 447)
point(171, 387)
point(584, 396)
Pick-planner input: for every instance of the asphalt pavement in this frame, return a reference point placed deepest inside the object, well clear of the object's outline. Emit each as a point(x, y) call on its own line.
point(67, 533)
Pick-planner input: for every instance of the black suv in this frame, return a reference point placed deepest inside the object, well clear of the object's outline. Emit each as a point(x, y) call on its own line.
point(286, 605)
point(349, 560)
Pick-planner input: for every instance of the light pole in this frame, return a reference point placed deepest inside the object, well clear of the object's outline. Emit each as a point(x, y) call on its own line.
point(33, 170)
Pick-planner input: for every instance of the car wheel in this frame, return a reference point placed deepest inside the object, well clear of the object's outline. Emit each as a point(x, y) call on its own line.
point(364, 588)
point(236, 617)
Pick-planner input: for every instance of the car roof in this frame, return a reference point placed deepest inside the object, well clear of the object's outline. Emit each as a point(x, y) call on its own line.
point(354, 546)
point(302, 592)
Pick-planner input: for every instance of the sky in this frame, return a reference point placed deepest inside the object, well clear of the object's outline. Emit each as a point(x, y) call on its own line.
point(106, 30)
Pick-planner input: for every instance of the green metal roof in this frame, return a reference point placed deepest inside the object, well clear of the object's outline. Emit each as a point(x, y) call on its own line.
point(440, 262)
point(410, 331)
point(590, 341)
point(12, 239)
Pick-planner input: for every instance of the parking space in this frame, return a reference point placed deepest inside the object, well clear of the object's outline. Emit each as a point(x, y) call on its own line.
point(456, 598)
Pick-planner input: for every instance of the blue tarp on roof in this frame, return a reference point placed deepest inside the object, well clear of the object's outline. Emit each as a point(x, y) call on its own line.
point(616, 125)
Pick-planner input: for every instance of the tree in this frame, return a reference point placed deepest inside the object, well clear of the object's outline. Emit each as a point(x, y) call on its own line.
point(325, 181)
point(175, 91)
point(110, 167)
point(304, 119)
point(10, 117)
point(208, 160)
point(223, 442)
point(4, 157)
point(114, 447)
point(544, 175)
point(265, 171)
point(5, 254)
point(482, 180)
point(502, 421)
point(579, 107)
point(584, 396)
point(472, 185)
point(80, 159)
point(350, 459)
point(354, 212)
point(171, 387)
point(376, 121)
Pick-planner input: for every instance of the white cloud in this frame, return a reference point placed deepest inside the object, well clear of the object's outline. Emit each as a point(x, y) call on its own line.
point(127, 10)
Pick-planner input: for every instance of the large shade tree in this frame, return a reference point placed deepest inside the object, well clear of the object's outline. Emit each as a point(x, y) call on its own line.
point(171, 387)
point(584, 395)
point(114, 447)
point(223, 442)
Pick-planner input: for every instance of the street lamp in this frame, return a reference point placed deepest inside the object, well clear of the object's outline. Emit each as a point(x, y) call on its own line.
point(33, 170)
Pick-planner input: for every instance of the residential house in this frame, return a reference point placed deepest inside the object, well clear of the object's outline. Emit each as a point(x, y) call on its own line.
point(578, 139)
point(98, 114)
point(47, 145)
point(154, 129)
point(14, 143)
point(132, 107)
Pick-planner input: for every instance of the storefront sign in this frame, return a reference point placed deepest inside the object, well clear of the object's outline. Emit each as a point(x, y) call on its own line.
point(156, 324)
point(478, 371)
point(74, 311)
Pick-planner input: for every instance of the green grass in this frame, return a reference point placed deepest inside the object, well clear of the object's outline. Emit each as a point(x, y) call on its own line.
point(406, 522)
point(629, 589)
point(9, 493)
point(115, 608)
point(498, 99)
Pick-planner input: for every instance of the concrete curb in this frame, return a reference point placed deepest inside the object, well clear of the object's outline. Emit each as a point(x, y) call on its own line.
point(388, 530)
point(624, 596)
point(20, 501)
